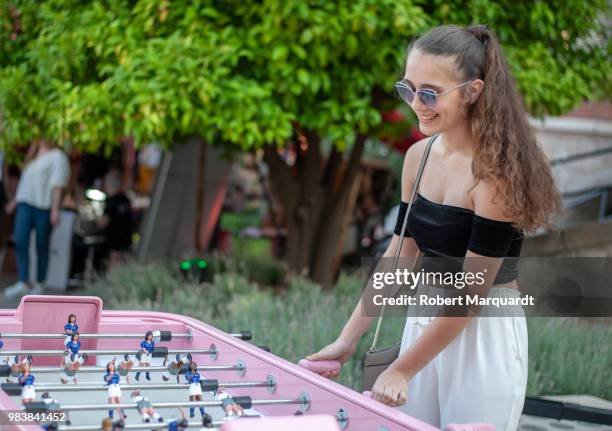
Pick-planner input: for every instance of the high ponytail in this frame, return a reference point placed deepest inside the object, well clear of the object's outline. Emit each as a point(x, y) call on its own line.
point(505, 146)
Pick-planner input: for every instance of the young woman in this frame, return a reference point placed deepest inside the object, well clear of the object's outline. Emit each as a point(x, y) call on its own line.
point(485, 182)
point(37, 200)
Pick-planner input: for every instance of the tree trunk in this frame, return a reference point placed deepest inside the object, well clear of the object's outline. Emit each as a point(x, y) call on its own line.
point(316, 199)
point(335, 219)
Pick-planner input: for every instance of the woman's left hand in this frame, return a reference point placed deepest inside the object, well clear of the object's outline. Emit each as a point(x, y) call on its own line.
point(391, 388)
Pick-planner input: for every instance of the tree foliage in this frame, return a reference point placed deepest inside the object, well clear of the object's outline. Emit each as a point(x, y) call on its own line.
point(244, 73)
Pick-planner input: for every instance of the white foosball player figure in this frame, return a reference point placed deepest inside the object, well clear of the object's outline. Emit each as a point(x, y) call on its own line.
point(71, 363)
point(125, 366)
point(52, 403)
point(145, 409)
point(230, 407)
point(176, 366)
point(16, 365)
point(72, 358)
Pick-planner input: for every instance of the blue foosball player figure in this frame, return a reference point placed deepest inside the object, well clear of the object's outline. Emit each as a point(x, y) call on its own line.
point(146, 351)
point(26, 380)
point(112, 379)
point(195, 390)
point(70, 328)
point(72, 359)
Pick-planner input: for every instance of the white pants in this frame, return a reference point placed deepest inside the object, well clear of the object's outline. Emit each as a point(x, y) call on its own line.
point(481, 376)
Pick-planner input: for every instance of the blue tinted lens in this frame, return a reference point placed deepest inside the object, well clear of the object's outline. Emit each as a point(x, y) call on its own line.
point(405, 92)
point(428, 97)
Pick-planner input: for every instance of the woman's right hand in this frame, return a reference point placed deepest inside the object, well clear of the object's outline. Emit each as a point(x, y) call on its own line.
point(339, 350)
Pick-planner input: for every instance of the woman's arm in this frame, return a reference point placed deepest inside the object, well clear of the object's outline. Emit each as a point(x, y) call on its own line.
point(56, 200)
point(58, 181)
point(344, 346)
point(358, 324)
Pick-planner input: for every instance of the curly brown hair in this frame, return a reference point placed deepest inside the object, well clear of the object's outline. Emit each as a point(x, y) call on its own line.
point(505, 146)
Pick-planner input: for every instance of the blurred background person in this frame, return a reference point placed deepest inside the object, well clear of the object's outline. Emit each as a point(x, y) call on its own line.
point(116, 223)
point(37, 206)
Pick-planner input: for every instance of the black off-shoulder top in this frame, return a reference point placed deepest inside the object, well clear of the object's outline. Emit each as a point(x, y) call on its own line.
point(448, 231)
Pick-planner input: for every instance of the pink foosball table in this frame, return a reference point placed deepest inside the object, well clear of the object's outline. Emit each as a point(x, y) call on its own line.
point(153, 370)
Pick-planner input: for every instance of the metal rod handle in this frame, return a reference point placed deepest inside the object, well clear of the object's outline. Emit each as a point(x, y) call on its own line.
point(162, 425)
point(81, 387)
point(97, 352)
point(95, 369)
point(101, 335)
point(177, 404)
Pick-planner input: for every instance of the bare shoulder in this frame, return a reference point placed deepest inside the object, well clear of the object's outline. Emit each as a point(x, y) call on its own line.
point(415, 152)
point(488, 200)
point(412, 159)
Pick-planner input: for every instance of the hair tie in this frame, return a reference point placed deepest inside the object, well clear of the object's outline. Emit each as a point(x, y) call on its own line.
point(480, 32)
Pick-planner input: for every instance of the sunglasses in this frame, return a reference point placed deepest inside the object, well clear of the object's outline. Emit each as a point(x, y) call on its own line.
point(427, 96)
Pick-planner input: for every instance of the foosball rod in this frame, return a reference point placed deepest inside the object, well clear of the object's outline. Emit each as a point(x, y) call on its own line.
point(246, 402)
point(208, 385)
point(159, 352)
point(94, 369)
point(145, 426)
point(239, 367)
point(158, 335)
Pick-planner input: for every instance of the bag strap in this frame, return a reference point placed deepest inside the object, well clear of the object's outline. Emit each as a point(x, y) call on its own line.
point(403, 231)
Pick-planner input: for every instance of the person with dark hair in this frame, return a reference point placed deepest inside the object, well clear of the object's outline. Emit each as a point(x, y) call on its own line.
point(485, 182)
point(116, 223)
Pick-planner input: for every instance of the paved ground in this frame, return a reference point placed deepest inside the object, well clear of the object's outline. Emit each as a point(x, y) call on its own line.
point(531, 423)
